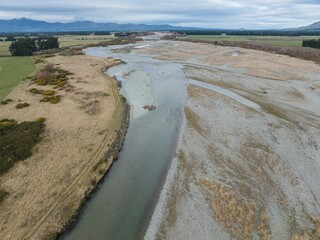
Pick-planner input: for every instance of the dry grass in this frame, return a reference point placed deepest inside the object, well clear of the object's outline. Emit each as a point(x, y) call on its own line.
point(292, 51)
point(47, 188)
point(193, 120)
point(313, 234)
point(240, 218)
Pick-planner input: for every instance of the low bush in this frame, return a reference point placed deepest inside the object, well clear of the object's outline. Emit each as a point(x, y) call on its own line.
point(5, 102)
point(38, 60)
point(52, 76)
point(48, 92)
point(22, 105)
point(43, 92)
point(51, 99)
point(40, 120)
point(17, 141)
point(35, 91)
point(3, 195)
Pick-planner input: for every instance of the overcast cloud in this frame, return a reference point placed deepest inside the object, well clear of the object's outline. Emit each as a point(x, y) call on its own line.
point(256, 14)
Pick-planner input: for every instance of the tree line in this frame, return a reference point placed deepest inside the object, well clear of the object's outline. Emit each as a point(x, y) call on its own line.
point(27, 46)
point(313, 43)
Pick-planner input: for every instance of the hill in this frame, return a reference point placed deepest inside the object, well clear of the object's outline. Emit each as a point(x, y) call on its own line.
point(314, 26)
point(29, 25)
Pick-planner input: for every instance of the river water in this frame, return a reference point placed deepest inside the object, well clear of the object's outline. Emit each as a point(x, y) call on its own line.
point(122, 206)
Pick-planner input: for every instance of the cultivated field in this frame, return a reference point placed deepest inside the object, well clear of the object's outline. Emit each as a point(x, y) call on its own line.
point(12, 71)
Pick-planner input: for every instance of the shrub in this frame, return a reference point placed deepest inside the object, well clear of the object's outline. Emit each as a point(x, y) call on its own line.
point(38, 60)
point(3, 195)
point(123, 99)
point(41, 82)
point(22, 105)
point(5, 102)
point(17, 141)
point(52, 76)
point(35, 91)
point(40, 120)
point(6, 122)
point(48, 92)
point(51, 99)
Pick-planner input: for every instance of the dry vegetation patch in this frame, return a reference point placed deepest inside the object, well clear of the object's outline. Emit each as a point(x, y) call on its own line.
point(241, 218)
point(17, 141)
point(52, 76)
point(193, 120)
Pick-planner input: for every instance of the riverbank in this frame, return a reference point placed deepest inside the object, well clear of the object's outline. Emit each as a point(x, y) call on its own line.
point(83, 136)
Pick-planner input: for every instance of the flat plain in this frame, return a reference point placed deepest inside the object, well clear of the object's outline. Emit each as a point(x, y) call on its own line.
point(12, 71)
point(273, 40)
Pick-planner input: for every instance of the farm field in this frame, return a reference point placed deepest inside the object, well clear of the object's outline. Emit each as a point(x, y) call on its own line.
point(12, 71)
point(4, 48)
point(273, 40)
point(78, 40)
point(65, 41)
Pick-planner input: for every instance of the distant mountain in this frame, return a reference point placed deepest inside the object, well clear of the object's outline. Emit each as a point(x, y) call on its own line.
point(314, 26)
point(29, 25)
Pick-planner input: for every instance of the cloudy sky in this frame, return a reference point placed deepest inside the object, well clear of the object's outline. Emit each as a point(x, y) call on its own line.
point(254, 14)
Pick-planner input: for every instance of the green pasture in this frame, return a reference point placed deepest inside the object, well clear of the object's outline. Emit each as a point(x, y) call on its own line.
point(4, 48)
point(12, 71)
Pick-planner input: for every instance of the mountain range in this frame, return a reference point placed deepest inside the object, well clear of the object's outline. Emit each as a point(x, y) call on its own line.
point(29, 25)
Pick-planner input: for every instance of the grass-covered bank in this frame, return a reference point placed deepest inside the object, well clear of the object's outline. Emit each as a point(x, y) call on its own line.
point(12, 71)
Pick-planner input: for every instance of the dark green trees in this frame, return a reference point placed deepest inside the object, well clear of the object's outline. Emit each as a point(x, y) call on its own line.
point(23, 47)
point(27, 46)
point(44, 43)
point(313, 43)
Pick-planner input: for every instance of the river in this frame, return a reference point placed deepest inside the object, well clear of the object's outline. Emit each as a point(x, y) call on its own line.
point(123, 204)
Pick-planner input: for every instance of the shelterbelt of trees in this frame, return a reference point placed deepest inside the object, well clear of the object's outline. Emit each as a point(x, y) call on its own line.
point(27, 46)
point(313, 43)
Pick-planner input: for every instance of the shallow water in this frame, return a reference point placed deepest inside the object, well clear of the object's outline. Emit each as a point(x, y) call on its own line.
point(124, 202)
point(227, 93)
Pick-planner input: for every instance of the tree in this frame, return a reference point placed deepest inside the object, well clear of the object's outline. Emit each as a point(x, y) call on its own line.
point(44, 43)
point(27, 46)
point(10, 38)
point(23, 47)
point(313, 43)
